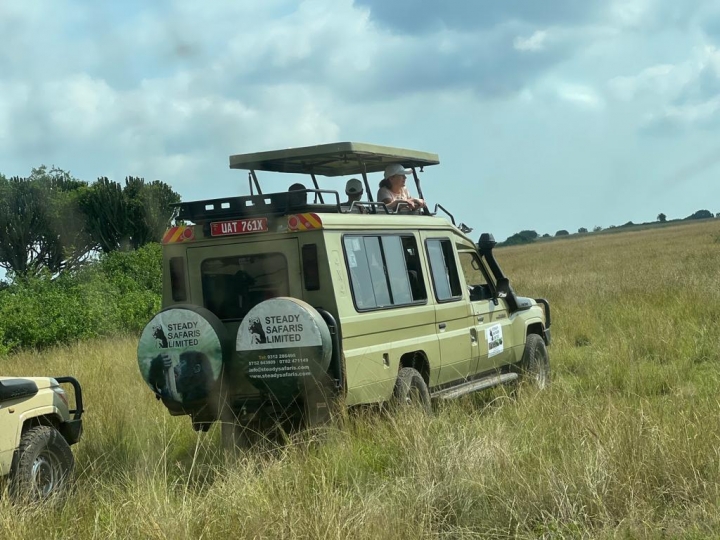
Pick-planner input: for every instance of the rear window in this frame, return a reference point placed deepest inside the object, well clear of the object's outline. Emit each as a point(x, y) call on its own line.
point(234, 285)
point(177, 279)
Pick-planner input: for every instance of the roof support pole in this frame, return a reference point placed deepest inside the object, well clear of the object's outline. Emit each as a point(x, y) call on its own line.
point(426, 210)
point(257, 184)
point(315, 183)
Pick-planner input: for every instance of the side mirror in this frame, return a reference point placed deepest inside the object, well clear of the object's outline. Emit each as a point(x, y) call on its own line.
point(505, 291)
point(480, 292)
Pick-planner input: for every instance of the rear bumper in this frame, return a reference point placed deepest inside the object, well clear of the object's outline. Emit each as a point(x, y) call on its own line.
point(72, 429)
point(548, 321)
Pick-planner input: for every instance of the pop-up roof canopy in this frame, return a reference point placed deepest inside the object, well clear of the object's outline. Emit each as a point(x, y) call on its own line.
point(335, 159)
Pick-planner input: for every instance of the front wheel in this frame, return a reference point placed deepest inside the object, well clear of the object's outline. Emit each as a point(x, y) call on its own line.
point(43, 465)
point(411, 390)
point(535, 363)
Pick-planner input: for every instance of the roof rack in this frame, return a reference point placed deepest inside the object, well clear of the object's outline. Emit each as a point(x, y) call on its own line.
point(269, 204)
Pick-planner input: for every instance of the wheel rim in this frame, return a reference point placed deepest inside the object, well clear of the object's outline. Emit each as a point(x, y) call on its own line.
point(45, 474)
point(413, 396)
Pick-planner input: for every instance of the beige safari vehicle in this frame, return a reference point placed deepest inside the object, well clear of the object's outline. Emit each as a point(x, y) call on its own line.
point(279, 306)
point(37, 428)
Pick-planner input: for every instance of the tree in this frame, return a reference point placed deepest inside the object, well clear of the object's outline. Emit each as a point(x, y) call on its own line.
point(662, 218)
point(523, 237)
point(122, 219)
point(53, 222)
point(700, 214)
point(562, 232)
point(582, 230)
point(597, 228)
point(150, 210)
point(40, 226)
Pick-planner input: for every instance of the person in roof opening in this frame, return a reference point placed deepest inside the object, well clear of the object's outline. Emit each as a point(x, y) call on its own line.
point(392, 189)
point(354, 191)
point(297, 197)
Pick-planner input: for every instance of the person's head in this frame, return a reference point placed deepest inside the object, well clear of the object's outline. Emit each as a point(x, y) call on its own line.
point(395, 176)
point(354, 189)
point(297, 199)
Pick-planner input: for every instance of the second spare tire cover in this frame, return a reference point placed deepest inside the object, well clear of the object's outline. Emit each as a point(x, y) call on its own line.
point(180, 354)
point(280, 342)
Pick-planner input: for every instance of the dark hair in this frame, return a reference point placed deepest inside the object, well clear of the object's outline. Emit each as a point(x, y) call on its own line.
point(297, 199)
point(385, 182)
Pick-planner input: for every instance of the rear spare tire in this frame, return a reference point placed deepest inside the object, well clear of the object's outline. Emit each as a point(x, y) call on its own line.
point(284, 348)
point(180, 356)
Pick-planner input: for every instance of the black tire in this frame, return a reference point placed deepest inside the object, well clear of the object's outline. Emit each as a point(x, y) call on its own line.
point(535, 363)
point(411, 390)
point(236, 437)
point(42, 467)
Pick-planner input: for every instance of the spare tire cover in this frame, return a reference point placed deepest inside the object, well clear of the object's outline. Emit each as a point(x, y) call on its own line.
point(180, 354)
point(280, 342)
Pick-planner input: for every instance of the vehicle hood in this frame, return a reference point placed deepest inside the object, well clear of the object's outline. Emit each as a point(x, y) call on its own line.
point(40, 382)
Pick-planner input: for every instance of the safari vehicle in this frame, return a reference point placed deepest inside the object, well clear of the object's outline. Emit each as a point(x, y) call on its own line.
point(278, 306)
point(37, 428)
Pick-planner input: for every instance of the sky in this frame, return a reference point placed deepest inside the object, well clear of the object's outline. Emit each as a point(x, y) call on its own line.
point(545, 115)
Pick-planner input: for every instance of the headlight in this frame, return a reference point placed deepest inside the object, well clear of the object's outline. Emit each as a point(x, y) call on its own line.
point(62, 395)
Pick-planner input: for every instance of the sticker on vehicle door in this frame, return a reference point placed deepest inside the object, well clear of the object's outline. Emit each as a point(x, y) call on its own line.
point(494, 338)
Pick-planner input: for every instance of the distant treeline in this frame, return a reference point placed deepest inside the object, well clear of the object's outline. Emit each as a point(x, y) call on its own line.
point(528, 236)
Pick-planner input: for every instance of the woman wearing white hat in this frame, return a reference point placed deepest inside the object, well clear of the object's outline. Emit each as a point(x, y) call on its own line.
point(392, 188)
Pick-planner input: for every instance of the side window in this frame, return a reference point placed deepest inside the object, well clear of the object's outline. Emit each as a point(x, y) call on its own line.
point(444, 269)
point(414, 268)
point(476, 277)
point(376, 267)
point(384, 271)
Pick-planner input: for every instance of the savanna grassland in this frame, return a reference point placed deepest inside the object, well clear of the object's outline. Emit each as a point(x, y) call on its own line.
point(625, 443)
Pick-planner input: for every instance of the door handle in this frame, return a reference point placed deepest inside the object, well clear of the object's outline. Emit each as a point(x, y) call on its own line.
point(442, 326)
point(480, 318)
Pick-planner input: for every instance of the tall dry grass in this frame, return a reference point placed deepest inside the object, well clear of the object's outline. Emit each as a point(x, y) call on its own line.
point(625, 444)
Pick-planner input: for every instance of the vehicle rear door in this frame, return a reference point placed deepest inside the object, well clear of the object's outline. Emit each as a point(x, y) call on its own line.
point(230, 278)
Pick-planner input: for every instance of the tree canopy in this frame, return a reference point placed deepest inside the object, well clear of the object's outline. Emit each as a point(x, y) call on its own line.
point(51, 221)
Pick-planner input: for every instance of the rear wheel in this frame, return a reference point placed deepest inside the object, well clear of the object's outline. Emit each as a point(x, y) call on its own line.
point(411, 391)
point(535, 363)
point(237, 437)
point(42, 466)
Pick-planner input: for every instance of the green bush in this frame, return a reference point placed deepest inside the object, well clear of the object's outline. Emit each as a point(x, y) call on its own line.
point(117, 294)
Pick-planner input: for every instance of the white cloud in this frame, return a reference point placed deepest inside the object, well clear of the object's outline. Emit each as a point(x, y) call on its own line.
point(580, 95)
point(170, 93)
point(655, 78)
point(535, 42)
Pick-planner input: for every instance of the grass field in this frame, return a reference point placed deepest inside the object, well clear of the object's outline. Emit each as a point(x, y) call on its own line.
point(625, 443)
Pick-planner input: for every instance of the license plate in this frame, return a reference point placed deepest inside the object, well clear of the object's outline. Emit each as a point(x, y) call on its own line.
point(238, 226)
